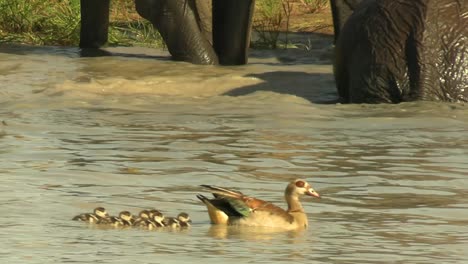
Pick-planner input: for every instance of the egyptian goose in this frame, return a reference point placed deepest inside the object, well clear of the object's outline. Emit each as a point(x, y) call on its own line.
point(98, 216)
point(234, 208)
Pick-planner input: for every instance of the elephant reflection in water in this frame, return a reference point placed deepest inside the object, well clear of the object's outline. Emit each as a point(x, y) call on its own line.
point(196, 31)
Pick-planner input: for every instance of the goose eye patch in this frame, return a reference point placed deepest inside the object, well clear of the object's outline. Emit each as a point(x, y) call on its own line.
point(300, 184)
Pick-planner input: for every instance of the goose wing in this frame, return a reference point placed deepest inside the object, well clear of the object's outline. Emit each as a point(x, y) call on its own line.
point(235, 203)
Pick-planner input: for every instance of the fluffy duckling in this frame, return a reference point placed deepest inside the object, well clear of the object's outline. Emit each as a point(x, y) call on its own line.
point(115, 221)
point(125, 218)
point(98, 216)
point(157, 218)
point(153, 225)
point(144, 220)
point(184, 219)
point(150, 219)
point(171, 222)
point(142, 217)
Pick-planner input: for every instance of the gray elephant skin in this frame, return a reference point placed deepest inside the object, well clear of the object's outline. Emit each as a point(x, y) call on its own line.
point(341, 11)
point(391, 51)
point(184, 26)
point(387, 51)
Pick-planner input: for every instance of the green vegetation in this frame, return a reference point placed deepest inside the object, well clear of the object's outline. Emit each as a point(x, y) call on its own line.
point(39, 22)
point(267, 23)
point(57, 22)
point(315, 5)
point(272, 17)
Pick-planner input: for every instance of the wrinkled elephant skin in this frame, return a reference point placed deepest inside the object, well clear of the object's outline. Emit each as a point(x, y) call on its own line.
point(196, 31)
point(177, 22)
point(394, 51)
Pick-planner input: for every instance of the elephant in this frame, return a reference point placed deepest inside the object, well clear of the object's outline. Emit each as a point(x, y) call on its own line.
point(341, 11)
point(190, 32)
point(392, 51)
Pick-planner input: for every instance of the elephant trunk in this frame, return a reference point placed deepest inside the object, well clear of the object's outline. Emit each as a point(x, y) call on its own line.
point(177, 22)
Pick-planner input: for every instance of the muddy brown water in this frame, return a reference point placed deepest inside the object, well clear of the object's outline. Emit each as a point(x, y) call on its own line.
point(136, 130)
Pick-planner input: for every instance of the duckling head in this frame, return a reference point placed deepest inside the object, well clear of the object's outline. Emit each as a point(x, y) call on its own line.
point(157, 216)
point(184, 218)
point(144, 214)
point(126, 216)
point(101, 212)
point(153, 212)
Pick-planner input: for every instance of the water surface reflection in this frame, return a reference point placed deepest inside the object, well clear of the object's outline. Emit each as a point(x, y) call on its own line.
point(132, 133)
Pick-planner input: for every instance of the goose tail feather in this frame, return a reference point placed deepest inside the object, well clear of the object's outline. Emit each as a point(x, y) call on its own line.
point(224, 192)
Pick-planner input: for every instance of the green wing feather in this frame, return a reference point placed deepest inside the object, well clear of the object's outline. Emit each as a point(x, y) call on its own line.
point(239, 206)
point(234, 198)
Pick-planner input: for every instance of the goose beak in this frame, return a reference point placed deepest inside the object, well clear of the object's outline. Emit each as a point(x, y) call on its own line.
point(312, 192)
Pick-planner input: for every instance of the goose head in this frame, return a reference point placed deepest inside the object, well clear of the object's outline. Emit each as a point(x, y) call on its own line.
point(300, 187)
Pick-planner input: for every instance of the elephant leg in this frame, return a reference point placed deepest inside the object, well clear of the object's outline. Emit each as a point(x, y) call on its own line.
point(232, 26)
point(94, 23)
point(204, 11)
point(178, 23)
point(341, 10)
